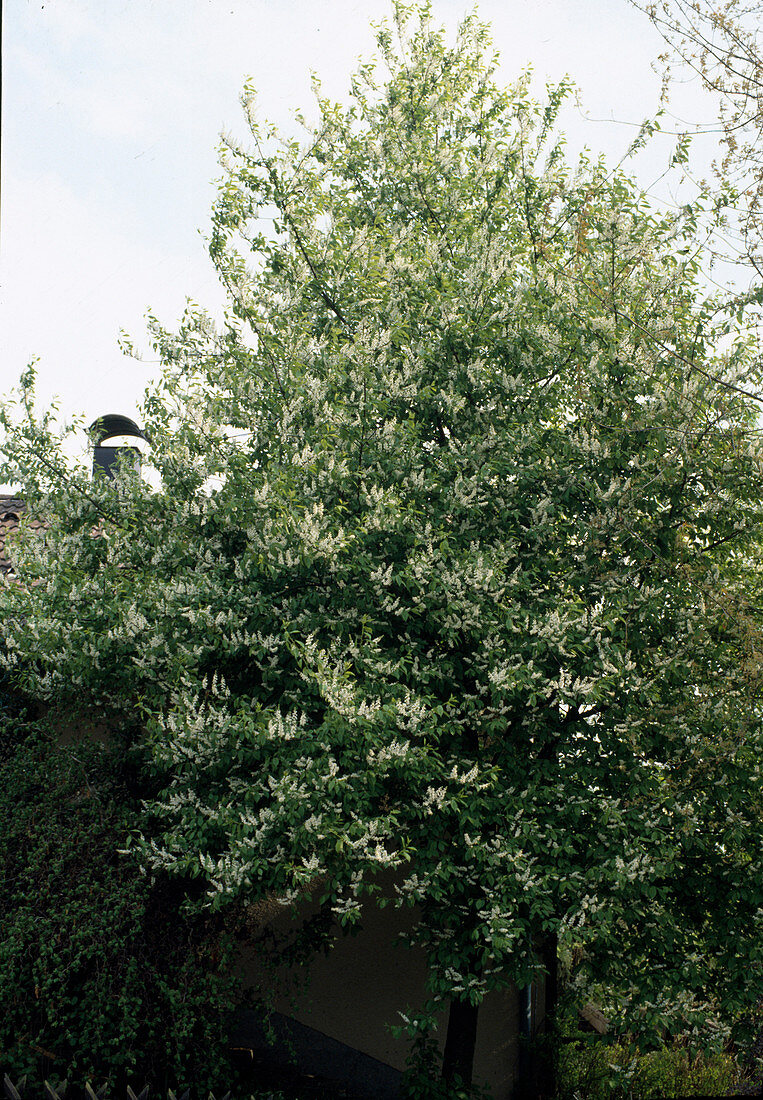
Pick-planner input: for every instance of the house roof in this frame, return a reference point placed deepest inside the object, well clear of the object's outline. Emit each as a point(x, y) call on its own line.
point(11, 510)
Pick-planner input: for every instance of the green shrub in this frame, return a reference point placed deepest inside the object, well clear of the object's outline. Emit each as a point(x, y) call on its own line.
point(674, 1071)
point(103, 977)
point(594, 1069)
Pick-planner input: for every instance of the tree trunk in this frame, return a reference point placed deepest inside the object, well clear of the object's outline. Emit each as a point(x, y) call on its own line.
point(458, 1058)
point(551, 966)
point(548, 1068)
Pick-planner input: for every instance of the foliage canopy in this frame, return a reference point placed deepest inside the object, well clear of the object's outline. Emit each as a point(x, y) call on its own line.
point(455, 565)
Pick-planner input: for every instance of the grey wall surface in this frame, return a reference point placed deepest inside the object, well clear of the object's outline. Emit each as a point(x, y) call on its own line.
point(354, 993)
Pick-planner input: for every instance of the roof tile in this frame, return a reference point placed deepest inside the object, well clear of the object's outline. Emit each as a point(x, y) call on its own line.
point(11, 509)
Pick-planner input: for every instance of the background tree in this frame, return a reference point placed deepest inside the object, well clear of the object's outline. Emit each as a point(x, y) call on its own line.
point(720, 42)
point(455, 565)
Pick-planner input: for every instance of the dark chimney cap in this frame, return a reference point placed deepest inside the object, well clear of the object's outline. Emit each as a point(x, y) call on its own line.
point(114, 424)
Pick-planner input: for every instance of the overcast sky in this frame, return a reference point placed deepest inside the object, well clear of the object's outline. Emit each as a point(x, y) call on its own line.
point(112, 113)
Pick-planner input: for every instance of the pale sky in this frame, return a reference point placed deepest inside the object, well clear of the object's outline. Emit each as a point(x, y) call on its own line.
point(112, 111)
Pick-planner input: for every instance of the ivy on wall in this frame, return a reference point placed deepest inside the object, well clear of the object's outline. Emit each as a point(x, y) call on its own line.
point(103, 976)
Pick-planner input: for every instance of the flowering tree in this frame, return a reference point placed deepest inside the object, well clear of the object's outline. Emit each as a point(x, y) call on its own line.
point(455, 565)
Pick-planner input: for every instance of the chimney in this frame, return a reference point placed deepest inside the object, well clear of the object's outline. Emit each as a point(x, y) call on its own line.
point(107, 459)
